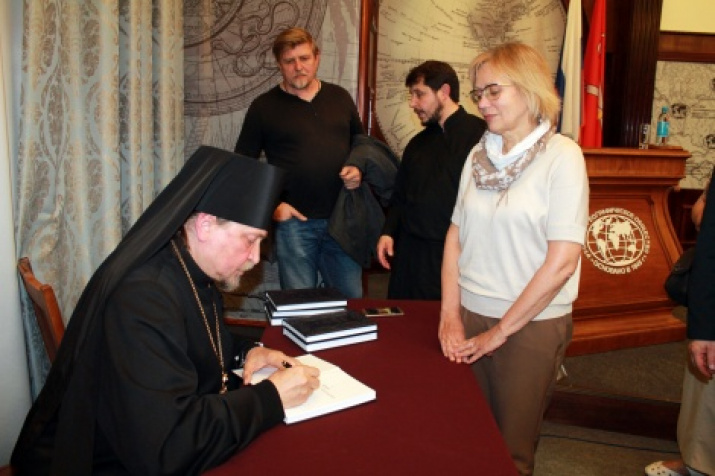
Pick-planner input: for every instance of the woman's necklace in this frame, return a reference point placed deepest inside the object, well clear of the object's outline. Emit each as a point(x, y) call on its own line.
point(218, 350)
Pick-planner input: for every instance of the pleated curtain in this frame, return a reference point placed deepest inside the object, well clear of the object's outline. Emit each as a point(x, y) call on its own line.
point(101, 133)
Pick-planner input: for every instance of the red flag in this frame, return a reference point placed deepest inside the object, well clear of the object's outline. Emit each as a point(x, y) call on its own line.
point(593, 68)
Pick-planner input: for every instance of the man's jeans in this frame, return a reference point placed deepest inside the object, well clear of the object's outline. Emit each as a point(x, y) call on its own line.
point(305, 248)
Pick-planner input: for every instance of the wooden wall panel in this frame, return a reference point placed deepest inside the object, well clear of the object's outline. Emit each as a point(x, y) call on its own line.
point(630, 69)
point(689, 47)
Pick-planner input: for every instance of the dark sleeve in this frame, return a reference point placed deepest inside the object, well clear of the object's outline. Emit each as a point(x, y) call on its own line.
point(154, 406)
point(250, 139)
point(394, 213)
point(701, 288)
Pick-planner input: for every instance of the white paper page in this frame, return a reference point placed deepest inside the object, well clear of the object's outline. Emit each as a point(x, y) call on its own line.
point(337, 391)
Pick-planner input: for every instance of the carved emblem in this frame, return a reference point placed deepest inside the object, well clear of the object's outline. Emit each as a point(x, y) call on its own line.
point(617, 241)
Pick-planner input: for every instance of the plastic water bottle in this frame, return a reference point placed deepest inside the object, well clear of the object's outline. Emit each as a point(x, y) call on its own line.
point(663, 127)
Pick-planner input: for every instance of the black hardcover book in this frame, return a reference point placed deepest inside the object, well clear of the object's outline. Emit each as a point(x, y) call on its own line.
point(276, 317)
point(329, 343)
point(310, 298)
point(329, 326)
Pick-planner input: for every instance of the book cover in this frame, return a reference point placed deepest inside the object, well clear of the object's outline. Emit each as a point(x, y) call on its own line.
point(338, 390)
point(329, 343)
point(310, 298)
point(330, 325)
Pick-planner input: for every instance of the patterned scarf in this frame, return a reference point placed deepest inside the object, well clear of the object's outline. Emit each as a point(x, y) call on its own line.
point(489, 177)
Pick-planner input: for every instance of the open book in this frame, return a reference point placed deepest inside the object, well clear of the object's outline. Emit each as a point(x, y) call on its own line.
point(337, 391)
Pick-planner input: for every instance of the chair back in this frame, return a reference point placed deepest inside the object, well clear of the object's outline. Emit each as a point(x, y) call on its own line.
point(6, 471)
point(47, 311)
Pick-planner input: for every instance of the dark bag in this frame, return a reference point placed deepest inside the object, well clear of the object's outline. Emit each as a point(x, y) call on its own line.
point(676, 285)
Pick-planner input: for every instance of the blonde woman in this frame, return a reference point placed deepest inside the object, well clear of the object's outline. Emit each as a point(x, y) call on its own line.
point(512, 254)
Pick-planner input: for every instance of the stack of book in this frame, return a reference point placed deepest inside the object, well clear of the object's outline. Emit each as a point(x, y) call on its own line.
point(289, 303)
point(332, 329)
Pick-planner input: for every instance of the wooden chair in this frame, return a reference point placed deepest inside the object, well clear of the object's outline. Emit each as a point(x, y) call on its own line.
point(47, 311)
point(6, 471)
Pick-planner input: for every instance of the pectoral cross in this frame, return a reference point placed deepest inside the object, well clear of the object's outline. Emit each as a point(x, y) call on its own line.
point(224, 383)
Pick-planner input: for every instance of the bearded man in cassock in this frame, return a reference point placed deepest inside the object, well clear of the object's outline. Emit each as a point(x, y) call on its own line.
point(143, 382)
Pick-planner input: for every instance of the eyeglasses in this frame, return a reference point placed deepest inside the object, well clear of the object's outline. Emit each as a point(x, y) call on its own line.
point(490, 91)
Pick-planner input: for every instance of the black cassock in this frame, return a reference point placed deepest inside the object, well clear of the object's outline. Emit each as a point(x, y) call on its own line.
point(159, 408)
point(422, 202)
point(134, 386)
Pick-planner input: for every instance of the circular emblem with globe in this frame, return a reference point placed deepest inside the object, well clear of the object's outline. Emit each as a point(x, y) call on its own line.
point(617, 241)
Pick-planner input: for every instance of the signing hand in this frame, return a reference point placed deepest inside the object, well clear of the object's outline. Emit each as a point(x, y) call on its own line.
point(295, 384)
point(260, 357)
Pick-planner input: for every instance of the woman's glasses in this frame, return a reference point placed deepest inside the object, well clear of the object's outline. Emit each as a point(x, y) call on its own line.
point(490, 91)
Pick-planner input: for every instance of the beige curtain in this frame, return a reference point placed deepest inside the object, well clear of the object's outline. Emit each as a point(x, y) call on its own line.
point(101, 134)
point(15, 387)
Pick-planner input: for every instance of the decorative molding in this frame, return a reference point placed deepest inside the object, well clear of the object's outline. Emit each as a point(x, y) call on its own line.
point(686, 47)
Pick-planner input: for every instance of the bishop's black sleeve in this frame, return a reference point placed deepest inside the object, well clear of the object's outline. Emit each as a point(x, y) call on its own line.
point(158, 407)
point(701, 288)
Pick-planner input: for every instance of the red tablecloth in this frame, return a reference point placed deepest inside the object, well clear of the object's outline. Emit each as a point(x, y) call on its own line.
point(429, 417)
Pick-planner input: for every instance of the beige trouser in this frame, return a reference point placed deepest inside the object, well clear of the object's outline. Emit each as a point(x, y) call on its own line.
point(518, 379)
point(696, 423)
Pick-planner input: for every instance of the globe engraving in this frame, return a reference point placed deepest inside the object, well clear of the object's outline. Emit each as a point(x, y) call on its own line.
point(617, 240)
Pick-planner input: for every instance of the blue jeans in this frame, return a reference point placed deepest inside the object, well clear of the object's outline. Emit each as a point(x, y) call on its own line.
point(305, 248)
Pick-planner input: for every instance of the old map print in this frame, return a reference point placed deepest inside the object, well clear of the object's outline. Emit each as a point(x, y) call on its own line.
point(689, 90)
point(454, 31)
point(228, 62)
point(228, 59)
point(227, 49)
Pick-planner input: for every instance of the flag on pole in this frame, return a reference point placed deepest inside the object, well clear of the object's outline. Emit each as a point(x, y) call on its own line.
point(568, 77)
point(593, 73)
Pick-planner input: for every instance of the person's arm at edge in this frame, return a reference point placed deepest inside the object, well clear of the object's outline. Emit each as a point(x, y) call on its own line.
point(701, 295)
point(696, 213)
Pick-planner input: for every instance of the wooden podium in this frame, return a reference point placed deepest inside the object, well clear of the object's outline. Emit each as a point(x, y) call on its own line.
point(630, 248)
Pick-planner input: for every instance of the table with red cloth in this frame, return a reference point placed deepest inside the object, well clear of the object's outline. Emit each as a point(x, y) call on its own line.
point(429, 417)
